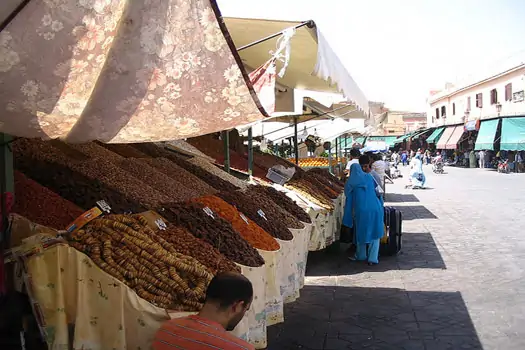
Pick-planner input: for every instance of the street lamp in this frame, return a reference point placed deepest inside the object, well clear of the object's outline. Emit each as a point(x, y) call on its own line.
point(498, 108)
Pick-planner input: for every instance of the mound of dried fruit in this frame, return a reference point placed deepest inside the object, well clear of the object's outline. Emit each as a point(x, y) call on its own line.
point(248, 229)
point(284, 201)
point(247, 205)
point(213, 229)
point(41, 205)
point(126, 248)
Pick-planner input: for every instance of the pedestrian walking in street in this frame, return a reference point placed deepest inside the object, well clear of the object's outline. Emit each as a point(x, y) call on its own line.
point(482, 157)
point(364, 212)
point(395, 159)
point(228, 297)
point(472, 159)
point(404, 158)
point(416, 172)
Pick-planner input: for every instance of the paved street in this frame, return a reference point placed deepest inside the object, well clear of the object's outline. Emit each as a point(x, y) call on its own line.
point(458, 284)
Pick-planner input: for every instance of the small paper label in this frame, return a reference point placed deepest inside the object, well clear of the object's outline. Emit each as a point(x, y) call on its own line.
point(161, 224)
point(208, 211)
point(244, 218)
point(262, 214)
point(104, 206)
point(84, 219)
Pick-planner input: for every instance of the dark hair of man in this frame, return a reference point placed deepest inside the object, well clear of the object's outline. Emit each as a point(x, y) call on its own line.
point(227, 288)
point(354, 153)
point(364, 160)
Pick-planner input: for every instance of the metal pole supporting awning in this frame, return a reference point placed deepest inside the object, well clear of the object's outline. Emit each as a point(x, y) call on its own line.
point(312, 118)
point(309, 24)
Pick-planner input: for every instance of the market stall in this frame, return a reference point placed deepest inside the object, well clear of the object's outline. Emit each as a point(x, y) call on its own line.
point(140, 225)
point(261, 223)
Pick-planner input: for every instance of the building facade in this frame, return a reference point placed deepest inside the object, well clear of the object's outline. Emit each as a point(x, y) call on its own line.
point(498, 95)
point(399, 123)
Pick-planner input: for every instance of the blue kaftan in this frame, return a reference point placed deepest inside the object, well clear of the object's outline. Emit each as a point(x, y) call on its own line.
point(362, 208)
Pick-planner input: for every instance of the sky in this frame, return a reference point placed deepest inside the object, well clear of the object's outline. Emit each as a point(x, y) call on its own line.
point(399, 50)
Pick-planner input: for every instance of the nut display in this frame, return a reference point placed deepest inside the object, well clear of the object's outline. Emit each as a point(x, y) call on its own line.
point(213, 169)
point(310, 192)
point(186, 243)
point(194, 184)
point(96, 151)
point(266, 220)
point(38, 149)
point(125, 150)
point(126, 248)
point(284, 201)
point(214, 148)
point(121, 181)
point(176, 191)
point(41, 205)
point(271, 209)
point(326, 175)
point(73, 186)
point(213, 229)
point(249, 230)
point(211, 179)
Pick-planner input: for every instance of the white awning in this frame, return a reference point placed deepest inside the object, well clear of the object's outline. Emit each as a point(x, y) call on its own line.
point(313, 65)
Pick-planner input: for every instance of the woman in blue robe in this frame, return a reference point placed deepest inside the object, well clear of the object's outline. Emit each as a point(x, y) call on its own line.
point(418, 177)
point(364, 212)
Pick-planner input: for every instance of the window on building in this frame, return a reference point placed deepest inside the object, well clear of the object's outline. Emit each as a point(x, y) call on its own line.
point(508, 92)
point(453, 109)
point(443, 112)
point(437, 113)
point(468, 103)
point(493, 96)
point(479, 100)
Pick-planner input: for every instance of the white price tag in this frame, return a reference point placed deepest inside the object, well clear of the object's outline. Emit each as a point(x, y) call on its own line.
point(104, 206)
point(208, 211)
point(262, 214)
point(244, 218)
point(161, 224)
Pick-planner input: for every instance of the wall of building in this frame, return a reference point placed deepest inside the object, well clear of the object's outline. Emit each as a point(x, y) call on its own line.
point(488, 109)
point(398, 123)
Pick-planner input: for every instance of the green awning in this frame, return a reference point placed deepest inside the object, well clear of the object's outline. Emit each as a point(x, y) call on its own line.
point(359, 139)
point(388, 140)
point(419, 133)
point(435, 135)
point(402, 138)
point(486, 135)
point(513, 134)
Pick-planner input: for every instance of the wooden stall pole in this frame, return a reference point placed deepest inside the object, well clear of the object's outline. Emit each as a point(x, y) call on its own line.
point(250, 153)
point(226, 145)
point(295, 144)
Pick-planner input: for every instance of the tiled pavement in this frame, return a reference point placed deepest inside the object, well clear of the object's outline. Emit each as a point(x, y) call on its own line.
point(458, 284)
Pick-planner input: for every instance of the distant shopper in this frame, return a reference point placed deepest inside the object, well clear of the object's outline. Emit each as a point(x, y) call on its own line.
point(379, 167)
point(379, 181)
point(519, 162)
point(364, 212)
point(472, 160)
point(416, 172)
point(354, 159)
point(482, 157)
point(228, 297)
point(404, 159)
point(395, 159)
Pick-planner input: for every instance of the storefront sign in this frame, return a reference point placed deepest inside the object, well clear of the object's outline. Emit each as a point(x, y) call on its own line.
point(518, 96)
point(472, 125)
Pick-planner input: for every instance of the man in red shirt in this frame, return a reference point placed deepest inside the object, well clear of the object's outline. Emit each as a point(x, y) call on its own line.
point(228, 297)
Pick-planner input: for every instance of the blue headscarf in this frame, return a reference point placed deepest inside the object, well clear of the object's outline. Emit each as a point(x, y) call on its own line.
point(356, 179)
